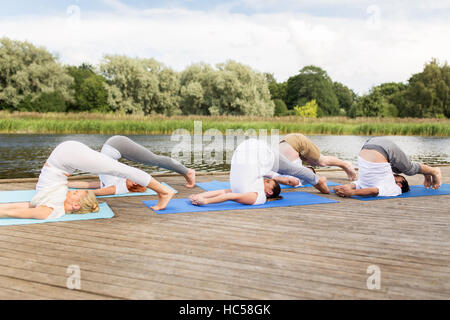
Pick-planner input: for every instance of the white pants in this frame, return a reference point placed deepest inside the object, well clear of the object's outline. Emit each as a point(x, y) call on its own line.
point(72, 155)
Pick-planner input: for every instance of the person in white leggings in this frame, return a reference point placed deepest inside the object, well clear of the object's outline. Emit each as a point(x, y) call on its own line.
point(118, 147)
point(53, 199)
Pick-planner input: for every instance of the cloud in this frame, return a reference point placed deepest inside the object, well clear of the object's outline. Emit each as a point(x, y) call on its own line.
point(359, 52)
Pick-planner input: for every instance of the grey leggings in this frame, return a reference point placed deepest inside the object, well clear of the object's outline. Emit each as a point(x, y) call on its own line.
point(400, 163)
point(132, 151)
point(285, 167)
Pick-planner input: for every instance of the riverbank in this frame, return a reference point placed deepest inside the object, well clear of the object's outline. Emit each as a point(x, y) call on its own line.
point(91, 123)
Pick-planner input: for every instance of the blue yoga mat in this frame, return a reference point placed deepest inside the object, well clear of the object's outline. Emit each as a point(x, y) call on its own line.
point(27, 195)
point(416, 191)
point(220, 185)
point(104, 213)
point(289, 199)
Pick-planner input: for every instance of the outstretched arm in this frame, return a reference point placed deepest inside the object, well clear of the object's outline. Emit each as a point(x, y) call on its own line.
point(222, 196)
point(84, 184)
point(25, 212)
point(105, 191)
point(349, 190)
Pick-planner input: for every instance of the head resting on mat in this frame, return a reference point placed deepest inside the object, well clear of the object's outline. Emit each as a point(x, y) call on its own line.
point(402, 182)
point(134, 187)
point(272, 190)
point(80, 202)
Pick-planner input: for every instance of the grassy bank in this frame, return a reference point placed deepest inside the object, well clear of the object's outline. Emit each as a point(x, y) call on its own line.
point(127, 124)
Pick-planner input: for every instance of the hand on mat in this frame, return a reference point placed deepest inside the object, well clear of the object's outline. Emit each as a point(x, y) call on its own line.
point(344, 190)
point(428, 181)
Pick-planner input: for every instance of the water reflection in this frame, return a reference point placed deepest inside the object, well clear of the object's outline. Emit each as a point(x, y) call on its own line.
point(22, 156)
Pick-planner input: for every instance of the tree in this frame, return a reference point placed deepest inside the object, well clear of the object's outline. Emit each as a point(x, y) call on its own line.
point(230, 88)
point(309, 110)
point(344, 95)
point(277, 90)
point(312, 83)
point(280, 107)
point(140, 85)
point(428, 92)
point(90, 89)
point(27, 73)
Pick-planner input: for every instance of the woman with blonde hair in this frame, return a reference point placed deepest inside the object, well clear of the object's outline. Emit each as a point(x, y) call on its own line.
point(53, 199)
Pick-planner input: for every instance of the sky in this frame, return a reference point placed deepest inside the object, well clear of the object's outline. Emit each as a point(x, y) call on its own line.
point(360, 43)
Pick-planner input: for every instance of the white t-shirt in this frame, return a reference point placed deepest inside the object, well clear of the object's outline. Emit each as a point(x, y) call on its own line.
point(108, 180)
point(252, 160)
point(51, 191)
point(379, 175)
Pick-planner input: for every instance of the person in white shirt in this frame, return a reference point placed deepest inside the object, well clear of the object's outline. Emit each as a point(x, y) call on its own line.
point(53, 199)
point(380, 163)
point(118, 147)
point(252, 161)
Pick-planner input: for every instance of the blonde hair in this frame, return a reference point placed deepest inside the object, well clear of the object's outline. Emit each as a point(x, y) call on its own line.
point(88, 203)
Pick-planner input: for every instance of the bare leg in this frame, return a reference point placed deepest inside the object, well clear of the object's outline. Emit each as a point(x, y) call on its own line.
point(165, 194)
point(325, 161)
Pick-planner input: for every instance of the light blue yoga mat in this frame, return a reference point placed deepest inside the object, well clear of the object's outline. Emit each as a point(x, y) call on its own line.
point(104, 213)
point(289, 199)
point(416, 191)
point(220, 185)
point(27, 195)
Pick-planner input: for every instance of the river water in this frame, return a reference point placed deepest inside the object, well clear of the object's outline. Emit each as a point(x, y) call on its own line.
point(22, 156)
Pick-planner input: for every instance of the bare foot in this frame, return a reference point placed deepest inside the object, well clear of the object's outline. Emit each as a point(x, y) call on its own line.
point(437, 178)
point(351, 172)
point(322, 185)
point(428, 181)
point(163, 200)
point(190, 178)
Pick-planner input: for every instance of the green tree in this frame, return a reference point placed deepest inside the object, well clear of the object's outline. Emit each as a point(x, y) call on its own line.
point(90, 89)
point(428, 92)
point(280, 107)
point(49, 102)
point(277, 90)
point(231, 88)
point(28, 73)
point(344, 95)
point(312, 83)
point(140, 85)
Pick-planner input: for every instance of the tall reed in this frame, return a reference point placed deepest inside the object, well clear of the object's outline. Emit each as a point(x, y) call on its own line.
point(91, 123)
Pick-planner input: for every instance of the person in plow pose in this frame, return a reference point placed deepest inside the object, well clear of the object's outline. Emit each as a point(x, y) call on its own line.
point(381, 163)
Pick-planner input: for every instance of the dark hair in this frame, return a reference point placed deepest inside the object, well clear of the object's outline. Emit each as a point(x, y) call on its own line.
point(405, 184)
point(312, 169)
point(276, 190)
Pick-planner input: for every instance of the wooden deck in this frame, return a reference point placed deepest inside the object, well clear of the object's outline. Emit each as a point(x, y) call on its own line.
point(308, 252)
